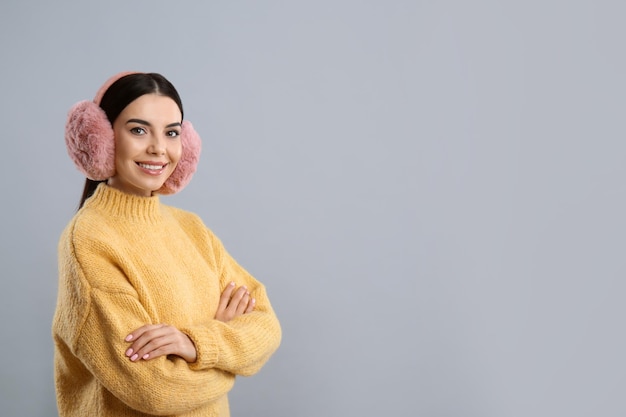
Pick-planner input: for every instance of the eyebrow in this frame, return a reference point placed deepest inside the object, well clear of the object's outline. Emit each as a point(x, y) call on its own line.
point(146, 123)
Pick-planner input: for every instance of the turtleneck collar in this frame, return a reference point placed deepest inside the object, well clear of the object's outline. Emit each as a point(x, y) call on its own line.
point(117, 203)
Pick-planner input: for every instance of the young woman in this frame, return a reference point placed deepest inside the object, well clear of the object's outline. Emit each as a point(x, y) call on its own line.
point(153, 317)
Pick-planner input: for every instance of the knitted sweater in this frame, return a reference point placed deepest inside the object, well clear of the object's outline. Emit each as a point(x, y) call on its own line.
point(126, 261)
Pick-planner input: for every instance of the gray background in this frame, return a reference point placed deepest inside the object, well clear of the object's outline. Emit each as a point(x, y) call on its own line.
point(433, 192)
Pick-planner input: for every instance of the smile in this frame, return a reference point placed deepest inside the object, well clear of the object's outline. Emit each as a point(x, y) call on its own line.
point(151, 167)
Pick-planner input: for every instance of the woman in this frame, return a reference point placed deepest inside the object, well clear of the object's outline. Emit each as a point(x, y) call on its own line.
point(153, 315)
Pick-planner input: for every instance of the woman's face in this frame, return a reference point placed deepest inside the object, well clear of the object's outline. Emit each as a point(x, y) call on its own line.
point(147, 144)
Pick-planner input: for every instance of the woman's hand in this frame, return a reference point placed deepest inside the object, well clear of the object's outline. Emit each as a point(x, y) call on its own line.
point(234, 303)
point(154, 340)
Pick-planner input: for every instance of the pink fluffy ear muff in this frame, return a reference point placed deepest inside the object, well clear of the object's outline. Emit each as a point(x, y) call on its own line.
point(90, 143)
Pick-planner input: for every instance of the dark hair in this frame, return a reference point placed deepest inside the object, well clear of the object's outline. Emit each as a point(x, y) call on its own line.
point(120, 94)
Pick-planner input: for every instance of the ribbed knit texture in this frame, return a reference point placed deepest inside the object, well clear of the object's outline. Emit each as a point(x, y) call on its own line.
point(126, 261)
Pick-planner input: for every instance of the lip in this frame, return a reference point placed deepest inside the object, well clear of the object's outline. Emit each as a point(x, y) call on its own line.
point(149, 171)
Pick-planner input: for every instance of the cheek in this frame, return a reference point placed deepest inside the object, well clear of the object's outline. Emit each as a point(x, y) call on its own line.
point(176, 151)
point(121, 150)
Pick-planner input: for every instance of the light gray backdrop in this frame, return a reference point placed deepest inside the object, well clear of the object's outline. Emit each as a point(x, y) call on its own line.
point(433, 192)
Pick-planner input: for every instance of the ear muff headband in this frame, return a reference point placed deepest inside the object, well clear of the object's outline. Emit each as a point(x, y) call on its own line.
point(90, 143)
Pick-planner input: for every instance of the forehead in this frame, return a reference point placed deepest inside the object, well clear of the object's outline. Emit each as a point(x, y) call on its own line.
point(152, 108)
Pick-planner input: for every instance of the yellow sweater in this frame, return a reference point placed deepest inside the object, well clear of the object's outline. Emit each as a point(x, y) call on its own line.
point(126, 261)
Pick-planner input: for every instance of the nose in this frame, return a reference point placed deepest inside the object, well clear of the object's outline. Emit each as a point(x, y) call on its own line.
point(157, 145)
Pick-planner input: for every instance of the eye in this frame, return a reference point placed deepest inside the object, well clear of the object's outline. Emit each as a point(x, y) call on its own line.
point(172, 133)
point(138, 131)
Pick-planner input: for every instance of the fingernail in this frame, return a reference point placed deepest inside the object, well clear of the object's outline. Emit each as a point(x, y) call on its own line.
point(146, 356)
point(134, 357)
point(129, 338)
point(232, 283)
point(129, 352)
point(253, 301)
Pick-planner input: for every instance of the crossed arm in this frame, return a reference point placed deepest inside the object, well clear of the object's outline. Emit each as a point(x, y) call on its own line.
point(154, 340)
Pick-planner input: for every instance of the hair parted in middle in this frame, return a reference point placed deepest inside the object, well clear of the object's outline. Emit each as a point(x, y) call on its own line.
point(89, 129)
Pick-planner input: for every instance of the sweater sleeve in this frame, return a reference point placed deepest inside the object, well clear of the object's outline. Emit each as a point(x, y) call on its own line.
point(244, 344)
point(163, 386)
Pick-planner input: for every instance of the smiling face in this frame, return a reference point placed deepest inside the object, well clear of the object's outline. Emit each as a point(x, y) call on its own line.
point(147, 144)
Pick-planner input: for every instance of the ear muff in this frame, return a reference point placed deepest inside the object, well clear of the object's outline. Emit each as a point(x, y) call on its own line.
point(91, 143)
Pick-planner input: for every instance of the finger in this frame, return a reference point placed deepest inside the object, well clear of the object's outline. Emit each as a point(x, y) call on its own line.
point(236, 299)
point(135, 334)
point(164, 343)
point(143, 336)
point(225, 297)
point(174, 342)
point(243, 304)
point(138, 338)
point(221, 312)
point(167, 337)
point(158, 352)
point(251, 305)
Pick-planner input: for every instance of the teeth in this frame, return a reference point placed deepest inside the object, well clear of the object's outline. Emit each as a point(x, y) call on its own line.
point(151, 167)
